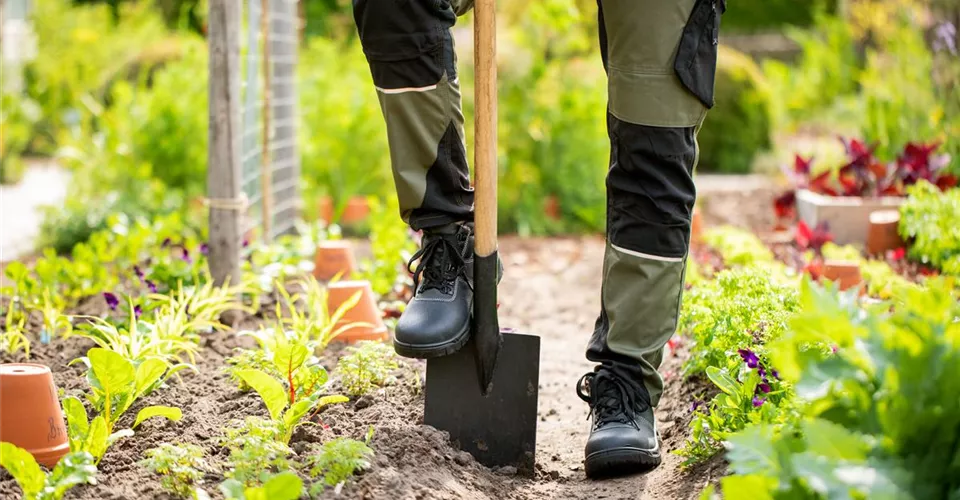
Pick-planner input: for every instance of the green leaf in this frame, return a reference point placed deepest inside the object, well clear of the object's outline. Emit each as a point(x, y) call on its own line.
point(819, 377)
point(289, 357)
point(233, 489)
point(168, 412)
point(751, 451)
point(723, 381)
point(754, 487)
point(114, 373)
point(833, 441)
point(148, 373)
point(96, 442)
point(118, 435)
point(329, 400)
point(23, 467)
point(271, 391)
point(283, 486)
point(77, 424)
point(296, 412)
point(817, 473)
point(73, 469)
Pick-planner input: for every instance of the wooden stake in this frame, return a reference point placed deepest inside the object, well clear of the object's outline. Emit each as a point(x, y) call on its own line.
point(223, 170)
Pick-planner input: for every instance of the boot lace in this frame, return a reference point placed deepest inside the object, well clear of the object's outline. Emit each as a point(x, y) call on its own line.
point(611, 399)
point(441, 263)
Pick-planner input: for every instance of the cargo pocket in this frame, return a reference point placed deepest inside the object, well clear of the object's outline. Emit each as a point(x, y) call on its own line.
point(696, 62)
point(405, 61)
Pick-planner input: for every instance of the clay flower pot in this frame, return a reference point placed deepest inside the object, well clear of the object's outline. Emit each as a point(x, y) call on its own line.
point(325, 209)
point(366, 311)
point(334, 257)
point(845, 274)
point(883, 234)
point(30, 412)
point(357, 210)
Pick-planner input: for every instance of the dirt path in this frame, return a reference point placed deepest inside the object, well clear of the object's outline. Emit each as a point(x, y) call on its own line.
point(43, 184)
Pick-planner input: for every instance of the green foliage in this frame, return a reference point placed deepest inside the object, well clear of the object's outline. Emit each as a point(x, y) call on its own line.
point(931, 219)
point(115, 384)
point(366, 366)
point(740, 308)
point(181, 466)
point(72, 470)
point(13, 338)
point(281, 486)
point(767, 15)
point(256, 451)
point(740, 125)
point(391, 247)
point(883, 408)
point(16, 125)
point(343, 138)
point(337, 461)
point(738, 247)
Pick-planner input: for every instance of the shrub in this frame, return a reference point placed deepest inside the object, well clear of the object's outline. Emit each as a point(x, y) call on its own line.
point(740, 124)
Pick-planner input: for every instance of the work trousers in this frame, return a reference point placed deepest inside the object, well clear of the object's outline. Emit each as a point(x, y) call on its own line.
point(660, 57)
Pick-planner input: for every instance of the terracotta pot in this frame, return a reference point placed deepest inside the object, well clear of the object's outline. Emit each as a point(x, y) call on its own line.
point(30, 412)
point(846, 274)
point(366, 311)
point(551, 207)
point(884, 234)
point(357, 210)
point(333, 257)
point(325, 209)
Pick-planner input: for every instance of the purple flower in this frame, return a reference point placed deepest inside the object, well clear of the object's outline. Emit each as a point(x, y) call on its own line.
point(204, 249)
point(246, 243)
point(166, 243)
point(185, 255)
point(762, 372)
point(137, 311)
point(758, 401)
point(775, 373)
point(749, 357)
point(763, 387)
point(834, 349)
point(945, 38)
point(138, 271)
point(112, 300)
point(151, 285)
point(696, 404)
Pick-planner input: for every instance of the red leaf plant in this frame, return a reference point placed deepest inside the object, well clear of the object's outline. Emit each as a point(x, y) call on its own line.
point(864, 175)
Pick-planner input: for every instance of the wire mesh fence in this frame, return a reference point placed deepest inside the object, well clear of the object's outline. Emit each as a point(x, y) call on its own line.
point(254, 161)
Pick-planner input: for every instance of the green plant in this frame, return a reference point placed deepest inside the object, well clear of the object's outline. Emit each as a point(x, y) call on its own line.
point(740, 125)
point(255, 450)
point(737, 246)
point(293, 386)
point(931, 219)
point(366, 366)
point(338, 460)
point(281, 486)
point(312, 323)
point(16, 123)
point(181, 466)
point(760, 15)
point(13, 338)
point(115, 384)
point(882, 406)
point(73, 469)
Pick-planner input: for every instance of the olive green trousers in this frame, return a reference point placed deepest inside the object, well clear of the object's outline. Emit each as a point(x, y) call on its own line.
point(660, 57)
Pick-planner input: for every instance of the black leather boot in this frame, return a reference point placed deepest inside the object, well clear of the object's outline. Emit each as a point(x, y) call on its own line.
point(624, 438)
point(436, 322)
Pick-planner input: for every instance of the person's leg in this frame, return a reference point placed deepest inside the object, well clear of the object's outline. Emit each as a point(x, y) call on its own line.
point(411, 54)
point(660, 58)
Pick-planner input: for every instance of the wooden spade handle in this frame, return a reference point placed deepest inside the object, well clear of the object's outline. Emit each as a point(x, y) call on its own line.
point(485, 138)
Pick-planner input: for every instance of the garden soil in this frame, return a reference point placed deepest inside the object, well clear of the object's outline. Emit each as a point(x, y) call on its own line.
point(550, 288)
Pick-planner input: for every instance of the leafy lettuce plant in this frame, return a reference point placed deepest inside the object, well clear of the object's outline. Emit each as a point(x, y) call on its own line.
point(73, 469)
point(737, 246)
point(882, 405)
point(931, 220)
point(115, 384)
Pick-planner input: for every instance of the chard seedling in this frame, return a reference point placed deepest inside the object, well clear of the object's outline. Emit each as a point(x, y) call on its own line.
point(115, 384)
point(73, 469)
point(13, 338)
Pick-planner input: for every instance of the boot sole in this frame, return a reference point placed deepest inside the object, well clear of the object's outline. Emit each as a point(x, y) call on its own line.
point(436, 350)
point(620, 462)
